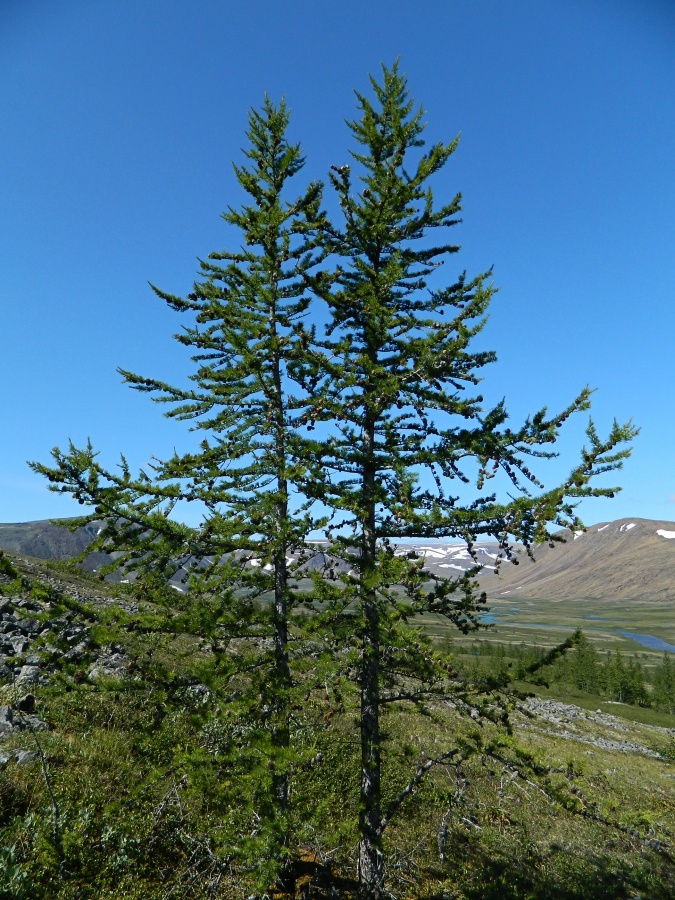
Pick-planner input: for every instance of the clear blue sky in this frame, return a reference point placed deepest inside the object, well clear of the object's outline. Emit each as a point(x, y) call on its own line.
point(120, 121)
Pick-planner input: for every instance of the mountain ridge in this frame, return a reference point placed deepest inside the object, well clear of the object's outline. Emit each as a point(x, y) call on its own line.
point(628, 558)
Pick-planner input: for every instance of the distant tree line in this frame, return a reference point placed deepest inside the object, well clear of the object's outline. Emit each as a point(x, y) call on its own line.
point(614, 675)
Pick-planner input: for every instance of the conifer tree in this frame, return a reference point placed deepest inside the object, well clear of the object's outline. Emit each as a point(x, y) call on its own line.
point(583, 666)
point(403, 424)
point(246, 336)
point(617, 677)
point(664, 684)
point(636, 690)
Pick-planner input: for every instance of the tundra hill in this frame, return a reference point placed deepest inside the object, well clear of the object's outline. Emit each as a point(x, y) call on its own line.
point(630, 559)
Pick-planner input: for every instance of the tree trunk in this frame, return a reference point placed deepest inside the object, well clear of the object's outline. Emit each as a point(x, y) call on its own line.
point(371, 862)
point(281, 735)
point(282, 672)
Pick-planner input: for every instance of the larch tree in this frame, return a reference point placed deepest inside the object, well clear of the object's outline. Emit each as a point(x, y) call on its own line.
point(247, 334)
point(390, 391)
point(400, 423)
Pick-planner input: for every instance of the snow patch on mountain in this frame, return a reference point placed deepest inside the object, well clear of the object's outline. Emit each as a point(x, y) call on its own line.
point(433, 552)
point(627, 527)
point(669, 535)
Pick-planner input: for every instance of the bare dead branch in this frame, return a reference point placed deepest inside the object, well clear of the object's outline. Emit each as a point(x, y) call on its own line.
point(410, 788)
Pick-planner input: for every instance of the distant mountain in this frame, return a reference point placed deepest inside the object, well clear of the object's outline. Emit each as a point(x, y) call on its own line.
point(630, 559)
point(45, 540)
point(626, 559)
point(446, 559)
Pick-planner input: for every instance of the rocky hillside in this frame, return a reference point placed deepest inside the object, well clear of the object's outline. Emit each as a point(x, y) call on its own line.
point(43, 628)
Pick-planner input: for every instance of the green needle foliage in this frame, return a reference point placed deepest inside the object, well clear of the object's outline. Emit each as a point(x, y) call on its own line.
point(373, 431)
point(404, 423)
point(249, 470)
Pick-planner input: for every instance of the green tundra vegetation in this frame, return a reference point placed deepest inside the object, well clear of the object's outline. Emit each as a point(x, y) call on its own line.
point(287, 717)
point(140, 787)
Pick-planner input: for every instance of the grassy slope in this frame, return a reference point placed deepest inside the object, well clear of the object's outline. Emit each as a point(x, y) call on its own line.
point(147, 794)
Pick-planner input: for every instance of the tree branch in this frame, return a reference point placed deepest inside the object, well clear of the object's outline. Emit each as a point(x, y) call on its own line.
point(409, 789)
